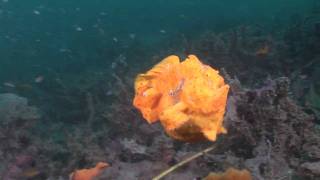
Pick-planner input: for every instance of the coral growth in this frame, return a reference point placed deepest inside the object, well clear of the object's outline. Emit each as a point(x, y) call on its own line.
point(270, 132)
point(89, 174)
point(17, 117)
point(188, 98)
point(13, 108)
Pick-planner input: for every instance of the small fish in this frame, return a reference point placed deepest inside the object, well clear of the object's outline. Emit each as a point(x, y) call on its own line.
point(24, 87)
point(30, 173)
point(8, 84)
point(263, 51)
point(39, 79)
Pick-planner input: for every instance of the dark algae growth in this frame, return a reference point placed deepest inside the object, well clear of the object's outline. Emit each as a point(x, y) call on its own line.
point(172, 90)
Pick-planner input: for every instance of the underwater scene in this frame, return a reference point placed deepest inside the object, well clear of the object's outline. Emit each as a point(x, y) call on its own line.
point(160, 89)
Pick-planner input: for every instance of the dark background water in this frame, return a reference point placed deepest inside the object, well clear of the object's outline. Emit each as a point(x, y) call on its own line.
point(70, 35)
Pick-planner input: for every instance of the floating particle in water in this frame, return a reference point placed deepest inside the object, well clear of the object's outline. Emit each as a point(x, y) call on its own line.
point(103, 13)
point(62, 10)
point(5, 1)
point(11, 39)
point(303, 76)
point(101, 31)
point(79, 28)
point(113, 65)
point(9, 84)
point(36, 12)
point(36, 65)
point(132, 36)
point(163, 31)
point(122, 60)
point(48, 33)
point(39, 79)
point(41, 6)
point(115, 39)
point(109, 93)
point(78, 9)
point(63, 50)
point(182, 16)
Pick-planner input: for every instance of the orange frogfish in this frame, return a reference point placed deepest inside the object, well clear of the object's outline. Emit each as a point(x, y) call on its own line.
point(188, 97)
point(89, 174)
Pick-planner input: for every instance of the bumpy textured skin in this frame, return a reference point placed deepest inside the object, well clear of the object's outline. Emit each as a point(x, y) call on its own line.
point(189, 98)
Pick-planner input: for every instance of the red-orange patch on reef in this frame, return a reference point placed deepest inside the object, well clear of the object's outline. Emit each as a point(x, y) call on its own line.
point(89, 174)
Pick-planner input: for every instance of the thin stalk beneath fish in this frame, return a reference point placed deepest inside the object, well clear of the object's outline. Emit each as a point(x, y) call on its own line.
point(171, 169)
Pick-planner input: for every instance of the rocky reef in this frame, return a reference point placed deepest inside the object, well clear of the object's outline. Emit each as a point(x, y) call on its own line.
point(17, 117)
point(268, 134)
point(272, 136)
